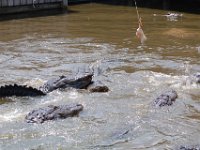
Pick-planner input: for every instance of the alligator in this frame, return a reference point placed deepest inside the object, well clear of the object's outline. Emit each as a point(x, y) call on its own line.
point(196, 147)
point(195, 78)
point(166, 99)
point(61, 82)
point(64, 82)
point(53, 113)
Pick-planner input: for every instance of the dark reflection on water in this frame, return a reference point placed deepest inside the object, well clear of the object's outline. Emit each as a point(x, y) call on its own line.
point(191, 6)
point(33, 14)
point(102, 37)
point(5, 100)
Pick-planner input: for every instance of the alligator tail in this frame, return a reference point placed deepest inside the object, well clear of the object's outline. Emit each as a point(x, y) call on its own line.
point(19, 90)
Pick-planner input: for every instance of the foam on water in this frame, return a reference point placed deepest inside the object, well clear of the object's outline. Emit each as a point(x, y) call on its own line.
point(10, 115)
point(179, 82)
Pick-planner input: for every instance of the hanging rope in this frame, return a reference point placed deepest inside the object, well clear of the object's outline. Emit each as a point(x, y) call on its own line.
point(34, 3)
point(139, 33)
point(137, 11)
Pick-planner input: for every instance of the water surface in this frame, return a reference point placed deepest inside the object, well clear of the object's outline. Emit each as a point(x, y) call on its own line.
point(33, 50)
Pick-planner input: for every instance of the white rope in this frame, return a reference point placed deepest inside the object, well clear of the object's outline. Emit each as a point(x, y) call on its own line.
point(34, 3)
point(137, 11)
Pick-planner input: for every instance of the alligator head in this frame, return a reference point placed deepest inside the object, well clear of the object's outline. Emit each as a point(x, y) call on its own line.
point(53, 112)
point(64, 82)
point(166, 99)
point(99, 88)
point(197, 77)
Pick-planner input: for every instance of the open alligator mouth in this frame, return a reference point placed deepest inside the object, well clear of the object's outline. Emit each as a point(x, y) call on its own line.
point(51, 85)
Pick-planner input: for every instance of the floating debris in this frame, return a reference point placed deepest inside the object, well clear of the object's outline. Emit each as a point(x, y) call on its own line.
point(171, 16)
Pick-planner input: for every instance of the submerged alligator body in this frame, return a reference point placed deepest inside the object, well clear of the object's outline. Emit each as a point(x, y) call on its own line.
point(53, 84)
point(53, 113)
point(197, 147)
point(166, 99)
point(19, 90)
point(195, 78)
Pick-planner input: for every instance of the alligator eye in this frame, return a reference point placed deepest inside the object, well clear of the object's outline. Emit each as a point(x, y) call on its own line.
point(79, 105)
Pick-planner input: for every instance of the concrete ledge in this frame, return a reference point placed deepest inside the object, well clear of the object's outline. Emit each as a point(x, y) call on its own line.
point(29, 8)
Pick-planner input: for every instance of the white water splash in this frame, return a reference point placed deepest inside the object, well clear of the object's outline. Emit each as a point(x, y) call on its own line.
point(179, 82)
point(10, 116)
point(35, 82)
point(198, 49)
